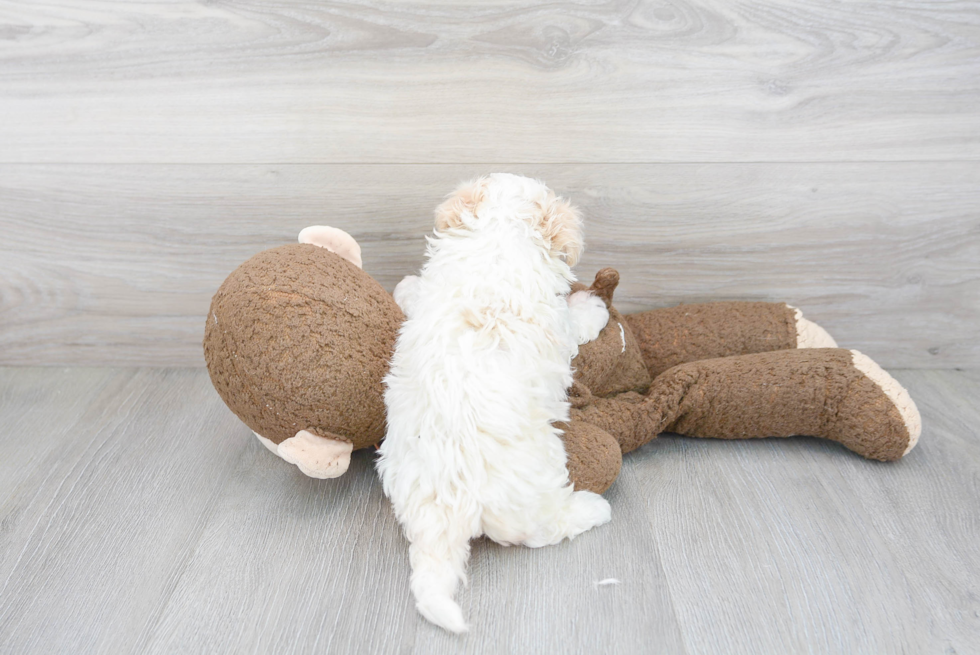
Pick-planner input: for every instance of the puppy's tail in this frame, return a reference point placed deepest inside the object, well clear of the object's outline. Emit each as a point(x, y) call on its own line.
point(436, 568)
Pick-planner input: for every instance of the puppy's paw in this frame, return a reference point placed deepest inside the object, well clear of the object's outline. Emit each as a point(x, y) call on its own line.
point(587, 511)
point(406, 293)
point(589, 315)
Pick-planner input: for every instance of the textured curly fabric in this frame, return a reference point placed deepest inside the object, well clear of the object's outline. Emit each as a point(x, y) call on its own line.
point(594, 456)
point(299, 338)
point(814, 392)
point(687, 333)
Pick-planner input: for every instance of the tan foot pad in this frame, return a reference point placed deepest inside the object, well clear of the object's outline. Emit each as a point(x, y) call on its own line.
point(809, 334)
point(317, 457)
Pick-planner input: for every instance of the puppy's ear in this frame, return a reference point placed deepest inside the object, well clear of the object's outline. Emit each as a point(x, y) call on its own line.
point(561, 225)
point(461, 206)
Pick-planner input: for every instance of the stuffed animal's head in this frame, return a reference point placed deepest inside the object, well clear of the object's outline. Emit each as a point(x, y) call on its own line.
point(298, 339)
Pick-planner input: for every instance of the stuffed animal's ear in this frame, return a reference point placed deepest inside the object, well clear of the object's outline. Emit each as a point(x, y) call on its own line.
point(460, 207)
point(334, 240)
point(561, 225)
point(606, 281)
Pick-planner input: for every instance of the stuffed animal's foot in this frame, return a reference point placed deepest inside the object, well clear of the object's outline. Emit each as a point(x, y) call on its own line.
point(896, 395)
point(317, 457)
point(604, 285)
point(809, 334)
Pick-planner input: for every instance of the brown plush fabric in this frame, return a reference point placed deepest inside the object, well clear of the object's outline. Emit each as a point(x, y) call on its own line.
point(612, 363)
point(594, 456)
point(298, 338)
point(628, 417)
point(809, 392)
point(604, 285)
point(688, 333)
point(814, 392)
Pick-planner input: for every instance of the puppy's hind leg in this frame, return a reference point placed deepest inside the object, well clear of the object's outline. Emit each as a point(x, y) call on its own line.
point(583, 511)
point(569, 517)
point(440, 547)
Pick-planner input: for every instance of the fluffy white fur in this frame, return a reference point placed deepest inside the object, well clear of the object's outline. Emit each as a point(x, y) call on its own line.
point(480, 373)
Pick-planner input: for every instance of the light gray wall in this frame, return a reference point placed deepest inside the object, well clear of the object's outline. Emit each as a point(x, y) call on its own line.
point(823, 154)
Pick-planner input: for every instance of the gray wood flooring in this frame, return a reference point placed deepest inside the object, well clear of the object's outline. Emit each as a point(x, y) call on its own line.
point(138, 515)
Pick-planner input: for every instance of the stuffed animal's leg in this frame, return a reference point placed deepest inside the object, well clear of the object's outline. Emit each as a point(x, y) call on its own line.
point(831, 393)
point(687, 333)
point(836, 394)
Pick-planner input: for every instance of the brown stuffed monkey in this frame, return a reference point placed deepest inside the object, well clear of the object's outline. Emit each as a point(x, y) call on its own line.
point(298, 340)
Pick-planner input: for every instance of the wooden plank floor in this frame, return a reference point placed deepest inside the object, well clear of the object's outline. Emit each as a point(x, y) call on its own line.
point(138, 515)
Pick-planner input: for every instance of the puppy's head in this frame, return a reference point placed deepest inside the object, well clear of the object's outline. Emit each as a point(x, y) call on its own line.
point(503, 197)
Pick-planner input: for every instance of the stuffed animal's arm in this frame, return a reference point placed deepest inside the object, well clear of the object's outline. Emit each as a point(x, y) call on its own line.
point(687, 333)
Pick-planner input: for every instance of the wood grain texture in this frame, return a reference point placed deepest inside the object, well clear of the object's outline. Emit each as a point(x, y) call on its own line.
point(147, 519)
point(99, 524)
point(369, 81)
point(117, 264)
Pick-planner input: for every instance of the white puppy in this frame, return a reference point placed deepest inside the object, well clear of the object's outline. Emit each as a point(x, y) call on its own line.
point(479, 375)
